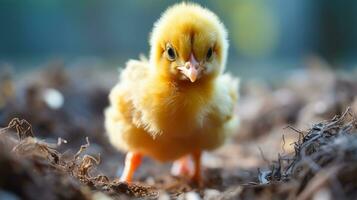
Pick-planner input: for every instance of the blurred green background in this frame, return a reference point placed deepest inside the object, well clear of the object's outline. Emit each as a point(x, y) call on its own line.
point(266, 37)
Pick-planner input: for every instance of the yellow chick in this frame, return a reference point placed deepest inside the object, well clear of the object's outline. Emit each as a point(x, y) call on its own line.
point(179, 102)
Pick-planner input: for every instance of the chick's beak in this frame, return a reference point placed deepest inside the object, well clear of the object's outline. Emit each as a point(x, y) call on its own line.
point(192, 69)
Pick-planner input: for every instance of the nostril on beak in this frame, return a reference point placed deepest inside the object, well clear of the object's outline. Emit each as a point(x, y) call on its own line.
point(187, 65)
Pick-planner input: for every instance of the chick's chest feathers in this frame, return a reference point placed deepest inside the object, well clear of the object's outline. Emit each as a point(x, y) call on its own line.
point(150, 115)
point(162, 107)
point(172, 109)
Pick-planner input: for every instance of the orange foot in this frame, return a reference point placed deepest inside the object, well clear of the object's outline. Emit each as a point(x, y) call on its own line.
point(132, 162)
point(185, 167)
point(182, 167)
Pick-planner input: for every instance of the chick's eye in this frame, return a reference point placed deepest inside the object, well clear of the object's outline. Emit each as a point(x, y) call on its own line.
point(209, 54)
point(171, 55)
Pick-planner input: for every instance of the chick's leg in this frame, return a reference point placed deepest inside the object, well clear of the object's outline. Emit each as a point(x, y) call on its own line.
point(197, 170)
point(132, 162)
point(182, 167)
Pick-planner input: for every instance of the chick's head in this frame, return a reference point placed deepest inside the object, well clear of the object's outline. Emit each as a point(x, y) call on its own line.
point(188, 44)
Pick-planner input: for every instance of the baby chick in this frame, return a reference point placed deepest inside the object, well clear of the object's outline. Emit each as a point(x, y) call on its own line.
point(179, 102)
